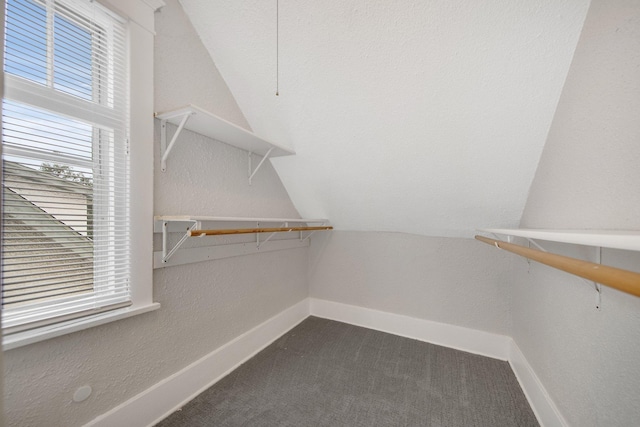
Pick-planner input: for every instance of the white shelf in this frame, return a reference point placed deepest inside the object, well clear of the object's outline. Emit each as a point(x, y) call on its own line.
point(234, 219)
point(166, 224)
point(175, 223)
point(208, 124)
point(615, 239)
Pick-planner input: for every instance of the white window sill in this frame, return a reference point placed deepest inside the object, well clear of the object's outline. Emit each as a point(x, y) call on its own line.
point(40, 334)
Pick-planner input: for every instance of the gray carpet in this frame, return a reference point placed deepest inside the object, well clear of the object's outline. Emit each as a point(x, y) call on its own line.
point(326, 373)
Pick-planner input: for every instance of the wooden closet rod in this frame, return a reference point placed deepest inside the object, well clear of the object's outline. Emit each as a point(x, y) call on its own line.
point(623, 280)
point(198, 233)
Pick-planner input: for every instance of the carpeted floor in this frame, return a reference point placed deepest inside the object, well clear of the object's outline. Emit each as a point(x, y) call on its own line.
point(327, 373)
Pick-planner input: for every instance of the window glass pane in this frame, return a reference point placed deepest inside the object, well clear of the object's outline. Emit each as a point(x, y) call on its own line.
point(72, 58)
point(47, 134)
point(48, 250)
point(25, 40)
point(46, 253)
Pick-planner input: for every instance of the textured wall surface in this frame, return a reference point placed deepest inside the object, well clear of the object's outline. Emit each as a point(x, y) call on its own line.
point(456, 281)
point(184, 71)
point(587, 359)
point(426, 117)
point(588, 178)
point(203, 305)
point(588, 175)
point(210, 178)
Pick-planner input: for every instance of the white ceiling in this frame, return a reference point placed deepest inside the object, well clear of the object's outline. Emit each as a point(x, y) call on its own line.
point(419, 116)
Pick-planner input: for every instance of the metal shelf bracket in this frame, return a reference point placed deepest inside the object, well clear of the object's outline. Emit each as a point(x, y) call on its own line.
point(306, 238)
point(259, 243)
point(598, 260)
point(168, 253)
point(597, 285)
point(164, 149)
point(253, 172)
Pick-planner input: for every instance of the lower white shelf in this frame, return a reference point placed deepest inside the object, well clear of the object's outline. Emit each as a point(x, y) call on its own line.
point(190, 226)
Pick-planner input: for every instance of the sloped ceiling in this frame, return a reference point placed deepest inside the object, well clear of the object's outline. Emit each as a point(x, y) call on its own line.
point(418, 116)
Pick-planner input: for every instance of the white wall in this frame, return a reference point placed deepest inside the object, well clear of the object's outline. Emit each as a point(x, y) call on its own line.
point(588, 177)
point(184, 71)
point(424, 117)
point(456, 281)
point(203, 305)
point(588, 173)
point(586, 358)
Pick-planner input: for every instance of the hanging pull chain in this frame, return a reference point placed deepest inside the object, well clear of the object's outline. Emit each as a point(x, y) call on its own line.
point(277, 47)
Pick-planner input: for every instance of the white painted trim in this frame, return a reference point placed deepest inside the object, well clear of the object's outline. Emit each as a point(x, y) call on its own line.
point(165, 397)
point(51, 331)
point(541, 403)
point(139, 11)
point(154, 4)
point(457, 337)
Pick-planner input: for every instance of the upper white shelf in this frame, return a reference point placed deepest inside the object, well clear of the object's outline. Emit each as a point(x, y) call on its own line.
point(208, 124)
point(616, 239)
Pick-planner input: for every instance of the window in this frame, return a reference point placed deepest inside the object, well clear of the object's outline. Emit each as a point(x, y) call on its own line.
point(66, 165)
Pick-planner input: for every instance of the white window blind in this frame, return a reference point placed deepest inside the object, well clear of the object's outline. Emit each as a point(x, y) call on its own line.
point(65, 240)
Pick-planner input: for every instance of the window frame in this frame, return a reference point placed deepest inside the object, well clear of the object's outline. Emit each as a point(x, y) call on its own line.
point(106, 111)
point(139, 14)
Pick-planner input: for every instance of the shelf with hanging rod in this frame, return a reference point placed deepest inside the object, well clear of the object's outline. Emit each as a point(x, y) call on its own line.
point(196, 119)
point(614, 239)
point(192, 226)
point(594, 273)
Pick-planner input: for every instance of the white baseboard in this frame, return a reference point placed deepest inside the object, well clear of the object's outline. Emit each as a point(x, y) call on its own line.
point(541, 403)
point(170, 394)
point(457, 337)
point(162, 399)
